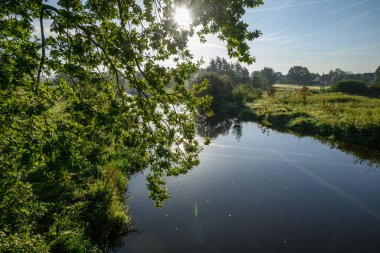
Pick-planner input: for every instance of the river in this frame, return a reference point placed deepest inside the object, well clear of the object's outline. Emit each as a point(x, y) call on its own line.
point(259, 190)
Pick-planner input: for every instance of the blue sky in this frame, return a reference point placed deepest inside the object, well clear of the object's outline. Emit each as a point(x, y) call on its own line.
point(319, 34)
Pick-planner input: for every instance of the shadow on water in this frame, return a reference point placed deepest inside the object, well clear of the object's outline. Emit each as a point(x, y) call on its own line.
point(223, 126)
point(216, 126)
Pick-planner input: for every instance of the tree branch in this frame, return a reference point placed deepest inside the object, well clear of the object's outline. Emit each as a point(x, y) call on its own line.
point(42, 48)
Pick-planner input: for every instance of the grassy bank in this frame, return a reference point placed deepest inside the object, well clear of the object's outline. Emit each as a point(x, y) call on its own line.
point(354, 119)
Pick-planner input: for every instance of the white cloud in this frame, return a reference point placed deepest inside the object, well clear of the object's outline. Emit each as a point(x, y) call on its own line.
point(288, 5)
point(348, 7)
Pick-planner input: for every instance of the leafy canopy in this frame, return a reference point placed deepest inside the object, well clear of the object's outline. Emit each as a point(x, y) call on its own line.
point(66, 118)
point(377, 75)
point(298, 75)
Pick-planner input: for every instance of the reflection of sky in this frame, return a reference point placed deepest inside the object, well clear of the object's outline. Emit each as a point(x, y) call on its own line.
point(259, 194)
point(318, 34)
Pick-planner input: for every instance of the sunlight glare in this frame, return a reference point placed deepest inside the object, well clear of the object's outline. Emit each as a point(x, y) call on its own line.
point(182, 17)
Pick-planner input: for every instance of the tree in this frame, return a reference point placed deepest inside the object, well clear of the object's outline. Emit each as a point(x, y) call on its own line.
point(269, 75)
point(263, 78)
point(256, 79)
point(212, 66)
point(298, 75)
point(237, 73)
point(337, 75)
point(315, 79)
point(68, 144)
point(240, 74)
point(377, 75)
point(219, 89)
point(280, 78)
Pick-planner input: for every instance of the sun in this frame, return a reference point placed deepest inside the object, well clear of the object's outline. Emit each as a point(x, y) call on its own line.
point(182, 17)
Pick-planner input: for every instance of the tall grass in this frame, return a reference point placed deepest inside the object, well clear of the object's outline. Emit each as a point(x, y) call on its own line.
point(343, 117)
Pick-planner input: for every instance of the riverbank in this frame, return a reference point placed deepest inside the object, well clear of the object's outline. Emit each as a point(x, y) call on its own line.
point(353, 119)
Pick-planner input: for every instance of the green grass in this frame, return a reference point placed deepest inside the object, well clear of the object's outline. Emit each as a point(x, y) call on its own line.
point(341, 117)
point(290, 87)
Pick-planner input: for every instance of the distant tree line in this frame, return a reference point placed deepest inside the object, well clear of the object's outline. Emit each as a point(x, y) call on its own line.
point(296, 75)
point(237, 73)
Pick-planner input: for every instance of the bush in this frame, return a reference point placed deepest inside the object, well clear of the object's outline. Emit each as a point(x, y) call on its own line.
point(245, 93)
point(374, 90)
point(271, 92)
point(303, 93)
point(229, 109)
point(219, 88)
point(351, 87)
point(303, 124)
point(247, 115)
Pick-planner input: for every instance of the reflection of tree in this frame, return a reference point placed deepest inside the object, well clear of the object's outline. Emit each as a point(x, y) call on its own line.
point(237, 130)
point(215, 126)
point(361, 155)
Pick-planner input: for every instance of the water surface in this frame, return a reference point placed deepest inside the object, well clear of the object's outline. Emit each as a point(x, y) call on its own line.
point(260, 191)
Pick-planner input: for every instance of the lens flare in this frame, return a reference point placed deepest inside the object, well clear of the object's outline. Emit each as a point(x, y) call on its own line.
point(182, 17)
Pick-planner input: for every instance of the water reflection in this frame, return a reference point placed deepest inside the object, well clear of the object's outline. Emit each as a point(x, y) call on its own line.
point(216, 126)
point(220, 126)
point(361, 154)
point(259, 190)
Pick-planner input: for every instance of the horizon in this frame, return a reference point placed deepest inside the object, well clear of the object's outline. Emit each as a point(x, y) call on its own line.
point(317, 34)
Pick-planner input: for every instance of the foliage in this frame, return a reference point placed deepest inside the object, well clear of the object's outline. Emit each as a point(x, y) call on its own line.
point(271, 92)
point(269, 75)
point(374, 90)
point(377, 75)
point(337, 75)
point(245, 93)
point(264, 78)
point(298, 75)
point(351, 87)
point(303, 93)
point(71, 135)
point(256, 80)
point(237, 73)
point(246, 115)
point(354, 119)
point(219, 90)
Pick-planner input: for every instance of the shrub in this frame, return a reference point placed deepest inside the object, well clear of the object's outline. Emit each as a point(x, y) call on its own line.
point(304, 92)
point(219, 88)
point(247, 115)
point(351, 87)
point(374, 90)
point(245, 93)
point(229, 109)
point(271, 91)
point(303, 124)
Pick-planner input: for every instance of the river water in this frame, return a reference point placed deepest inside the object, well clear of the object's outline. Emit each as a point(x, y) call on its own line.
point(259, 190)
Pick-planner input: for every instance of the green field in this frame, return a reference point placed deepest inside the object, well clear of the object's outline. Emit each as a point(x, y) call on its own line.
point(289, 87)
point(354, 119)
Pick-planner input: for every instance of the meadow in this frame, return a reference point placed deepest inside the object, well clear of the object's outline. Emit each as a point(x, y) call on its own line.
point(293, 87)
point(350, 118)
